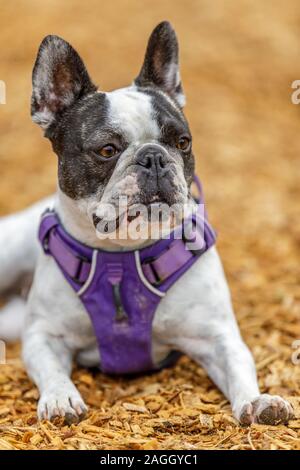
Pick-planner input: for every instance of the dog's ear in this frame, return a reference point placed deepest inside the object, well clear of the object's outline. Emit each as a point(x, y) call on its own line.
point(59, 78)
point(161, 65)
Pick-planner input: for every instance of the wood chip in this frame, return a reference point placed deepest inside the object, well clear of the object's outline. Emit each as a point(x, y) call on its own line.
point(133, 407)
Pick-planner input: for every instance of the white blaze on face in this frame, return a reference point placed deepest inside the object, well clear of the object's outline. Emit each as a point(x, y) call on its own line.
point(131, 111)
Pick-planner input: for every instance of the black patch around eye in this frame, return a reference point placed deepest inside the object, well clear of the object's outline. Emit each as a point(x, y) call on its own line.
point(170, 133)
point(79, 174)
point(104, 137)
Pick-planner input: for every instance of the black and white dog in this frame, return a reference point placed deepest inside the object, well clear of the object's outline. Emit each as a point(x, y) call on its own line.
point(96, 136)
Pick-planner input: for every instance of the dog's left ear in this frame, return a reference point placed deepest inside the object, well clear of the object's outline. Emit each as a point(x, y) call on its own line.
point(161, 65)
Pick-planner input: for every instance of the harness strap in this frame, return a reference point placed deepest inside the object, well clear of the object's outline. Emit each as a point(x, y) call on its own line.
point(159, 269)
point(76, 266)
point(156, 270)
point(178, 253)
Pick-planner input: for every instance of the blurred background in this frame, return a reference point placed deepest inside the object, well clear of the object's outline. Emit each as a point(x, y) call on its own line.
point(238, 61)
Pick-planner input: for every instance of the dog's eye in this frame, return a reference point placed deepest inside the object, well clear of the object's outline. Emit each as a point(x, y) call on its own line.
point(108, 151)
point(183, 143)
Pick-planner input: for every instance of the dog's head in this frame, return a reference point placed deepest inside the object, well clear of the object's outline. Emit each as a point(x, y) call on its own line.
point(131, 143)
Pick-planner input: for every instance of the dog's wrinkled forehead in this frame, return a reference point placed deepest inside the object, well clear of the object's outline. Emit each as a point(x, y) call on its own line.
point(139, 114)
point(132, 113)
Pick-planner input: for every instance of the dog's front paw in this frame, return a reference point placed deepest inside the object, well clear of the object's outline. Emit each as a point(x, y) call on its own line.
point(62, 402)
point(266, 409)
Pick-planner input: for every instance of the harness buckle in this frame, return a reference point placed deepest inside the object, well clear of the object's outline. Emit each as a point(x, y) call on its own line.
point(44, 237)
point(45, 242)
point(192, 238)
point(149, 263)
point(76, 277)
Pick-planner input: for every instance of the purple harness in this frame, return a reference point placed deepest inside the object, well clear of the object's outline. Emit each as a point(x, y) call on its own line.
point(121, 290)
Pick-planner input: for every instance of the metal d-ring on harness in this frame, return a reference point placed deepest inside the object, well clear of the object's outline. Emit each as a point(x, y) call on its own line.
point(115, 275)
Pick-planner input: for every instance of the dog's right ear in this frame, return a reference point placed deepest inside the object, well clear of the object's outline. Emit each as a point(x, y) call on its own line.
point(59, 78)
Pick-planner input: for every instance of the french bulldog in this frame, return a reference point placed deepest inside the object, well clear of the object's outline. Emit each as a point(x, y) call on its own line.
point(97, 136)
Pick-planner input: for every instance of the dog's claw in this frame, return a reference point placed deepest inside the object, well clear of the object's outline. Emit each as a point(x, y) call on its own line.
point(71, 418)
point(266, 409)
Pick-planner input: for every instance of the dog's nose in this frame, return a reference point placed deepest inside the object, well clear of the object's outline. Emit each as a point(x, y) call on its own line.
point(153, 158)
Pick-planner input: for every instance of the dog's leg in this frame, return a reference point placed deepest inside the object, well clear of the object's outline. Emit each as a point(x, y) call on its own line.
point(49, 364)
point(18, 243)
point(199, 321)
point(230, 365)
